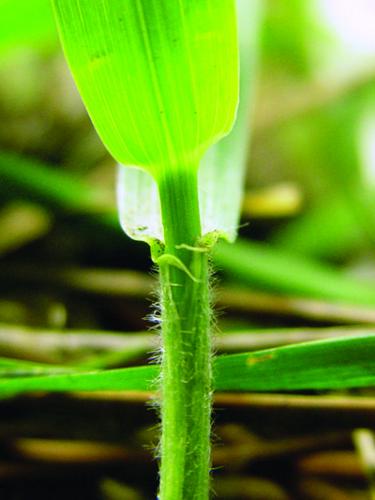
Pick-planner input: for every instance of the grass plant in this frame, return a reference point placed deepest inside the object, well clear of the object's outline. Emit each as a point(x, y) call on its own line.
point(160, 82)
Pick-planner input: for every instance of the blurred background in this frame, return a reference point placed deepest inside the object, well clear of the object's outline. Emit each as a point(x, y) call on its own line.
point(74, 290)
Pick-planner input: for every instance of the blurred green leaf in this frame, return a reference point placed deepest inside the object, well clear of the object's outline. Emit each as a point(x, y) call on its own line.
point(328, 230)
point(267, 267)
point(34, 180)
point(10, 368)
point(26, 22)
point(323, 150)
point(287, 36)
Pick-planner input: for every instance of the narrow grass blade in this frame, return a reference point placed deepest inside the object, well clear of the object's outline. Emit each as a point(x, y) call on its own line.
point(36, 181)
point(125, 379)
point(10, 368)
point(328, 364)
point(267, 267)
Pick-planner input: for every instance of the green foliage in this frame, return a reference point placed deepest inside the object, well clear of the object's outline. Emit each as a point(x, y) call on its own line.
point(154, 97)
point(127, 59)
point(26, 22)
point(287, 34)
point(327, 144)
point(266, 266)
point(10, 368)
point(339, 231)
point(34, 180)
point(141, 378)
point(160, 81)
point(328, 364)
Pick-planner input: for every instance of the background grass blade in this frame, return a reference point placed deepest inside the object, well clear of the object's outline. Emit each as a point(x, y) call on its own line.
point(127, 379)
point(36, 181)
point(267, 267)
point(26, 22)
point(10, 368)
point(328, 364)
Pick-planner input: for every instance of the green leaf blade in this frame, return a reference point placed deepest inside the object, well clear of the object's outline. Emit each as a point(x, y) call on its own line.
point(159, 78)
point(268, 267)
point(341, 363)
point(321, 365)
point(14, 368)
point(126, 379)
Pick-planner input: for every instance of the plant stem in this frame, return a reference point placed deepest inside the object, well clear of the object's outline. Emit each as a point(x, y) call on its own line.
point(186, 351)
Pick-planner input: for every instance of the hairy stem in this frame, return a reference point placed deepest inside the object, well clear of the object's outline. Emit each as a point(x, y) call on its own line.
point(186, 359)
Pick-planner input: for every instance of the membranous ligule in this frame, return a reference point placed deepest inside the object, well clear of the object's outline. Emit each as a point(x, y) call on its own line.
point(159, 77)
